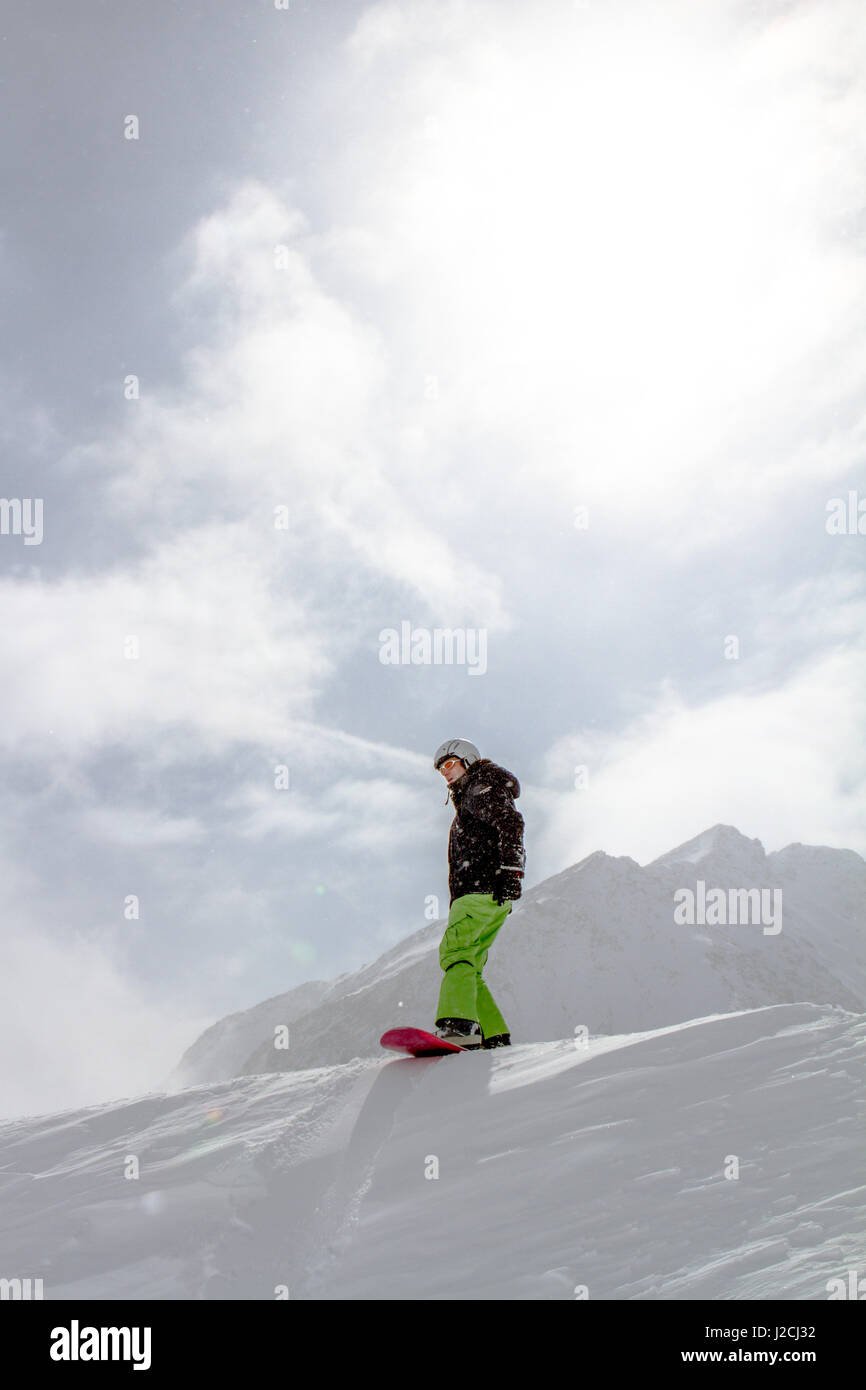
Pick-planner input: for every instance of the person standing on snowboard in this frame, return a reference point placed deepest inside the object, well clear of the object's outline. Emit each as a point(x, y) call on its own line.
point(486, 863)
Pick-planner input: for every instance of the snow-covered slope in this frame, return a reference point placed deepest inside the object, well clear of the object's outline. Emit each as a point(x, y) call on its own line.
point(557, 1168)
point(596, 946)
point(216, 1051)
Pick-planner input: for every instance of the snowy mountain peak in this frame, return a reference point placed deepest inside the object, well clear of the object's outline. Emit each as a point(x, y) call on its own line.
point(723, 841)
point(598, 866)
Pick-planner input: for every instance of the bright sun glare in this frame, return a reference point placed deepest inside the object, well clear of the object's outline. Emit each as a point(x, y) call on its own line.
point(608, 215)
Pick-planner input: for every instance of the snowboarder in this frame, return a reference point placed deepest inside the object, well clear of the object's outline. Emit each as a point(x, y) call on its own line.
point(486, 863)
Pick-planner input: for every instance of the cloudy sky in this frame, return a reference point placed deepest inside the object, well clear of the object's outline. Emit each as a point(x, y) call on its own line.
point(541, 323)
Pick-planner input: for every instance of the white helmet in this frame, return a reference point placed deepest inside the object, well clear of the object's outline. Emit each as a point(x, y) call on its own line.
point(456, 748)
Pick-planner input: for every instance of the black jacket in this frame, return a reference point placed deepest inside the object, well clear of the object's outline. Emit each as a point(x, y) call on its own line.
point(487, 830)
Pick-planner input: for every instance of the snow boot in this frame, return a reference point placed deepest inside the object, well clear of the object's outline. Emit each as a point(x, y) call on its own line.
point(463, 1032)
point(498, 1040)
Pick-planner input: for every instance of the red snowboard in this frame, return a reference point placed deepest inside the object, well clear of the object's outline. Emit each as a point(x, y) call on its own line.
point(418, 1043)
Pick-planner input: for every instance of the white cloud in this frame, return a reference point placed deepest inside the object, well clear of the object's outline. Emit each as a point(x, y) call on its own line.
point(218, 648)
point(626, 238)
point(380, 815)
point(137, 826)
point(74, 1027)
point(783, 764)
point(263, 809)
point(290, 401)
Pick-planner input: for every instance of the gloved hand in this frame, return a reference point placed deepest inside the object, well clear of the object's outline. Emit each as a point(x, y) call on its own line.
point(508, 886)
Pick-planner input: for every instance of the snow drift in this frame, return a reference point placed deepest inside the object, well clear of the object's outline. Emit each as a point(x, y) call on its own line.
point(719, 1159)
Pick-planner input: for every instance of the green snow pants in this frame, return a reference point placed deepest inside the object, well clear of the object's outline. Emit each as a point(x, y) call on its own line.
point(473, 923)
